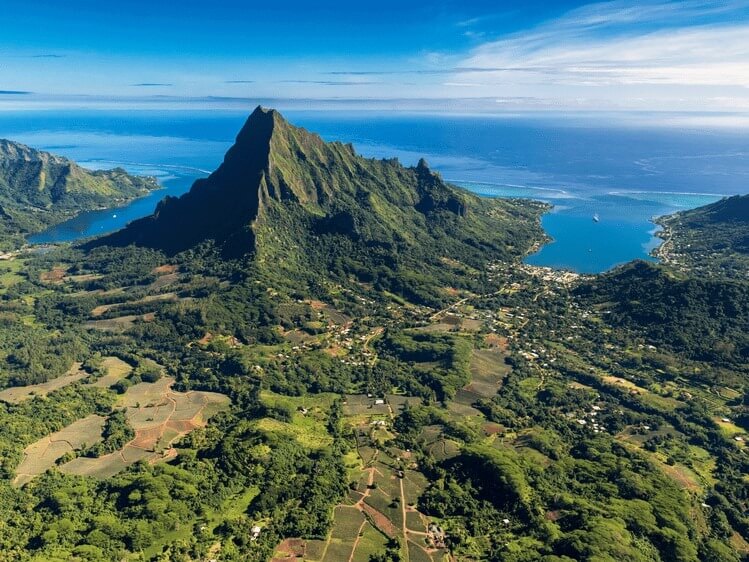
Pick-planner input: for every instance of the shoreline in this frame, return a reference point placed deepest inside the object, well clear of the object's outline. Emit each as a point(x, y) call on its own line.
point(661, 252)
point(121, 203)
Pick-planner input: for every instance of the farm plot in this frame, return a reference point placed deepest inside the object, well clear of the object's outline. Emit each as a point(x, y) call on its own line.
point(115, 368)
point(415, 522)
point(338, 551)
point(348, 522)
point(358, 404)
point(371, 542)
point(488, 371)
point(291, 549)
point(105, 308)
point(17, 394)
point(42, 455)
point(382, 507)
point(160, 416)
point(417, 554)
point(314, 550)
point(119, 324)
point(398, 401)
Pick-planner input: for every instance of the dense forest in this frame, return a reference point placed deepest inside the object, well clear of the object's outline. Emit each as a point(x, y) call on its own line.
point(702, 318)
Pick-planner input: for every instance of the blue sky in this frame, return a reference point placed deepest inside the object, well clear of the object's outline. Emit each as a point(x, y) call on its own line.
point(691, 55)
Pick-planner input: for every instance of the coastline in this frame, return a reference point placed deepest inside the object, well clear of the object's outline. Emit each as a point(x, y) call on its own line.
point(120, 203)
point(661, 252)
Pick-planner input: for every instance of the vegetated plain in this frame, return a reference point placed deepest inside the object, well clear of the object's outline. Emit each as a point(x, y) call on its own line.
point(346, 360)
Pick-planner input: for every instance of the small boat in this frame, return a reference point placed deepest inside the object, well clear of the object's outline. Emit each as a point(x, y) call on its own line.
point(114, 216)
point(596, 218)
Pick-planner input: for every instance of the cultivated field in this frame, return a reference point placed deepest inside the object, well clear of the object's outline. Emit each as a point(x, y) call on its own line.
point(488, 370)
point(383, 506)
point(17, 394)
point(42, 455)
point(160, 416)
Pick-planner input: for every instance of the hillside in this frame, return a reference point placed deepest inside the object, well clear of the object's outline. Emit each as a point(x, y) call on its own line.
point(705, 319)
point(39, 189)
point(695, 302)
point(294, 202)
point(713, 239)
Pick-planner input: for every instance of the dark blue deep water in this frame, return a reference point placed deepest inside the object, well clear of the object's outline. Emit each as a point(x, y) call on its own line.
point(622, 172)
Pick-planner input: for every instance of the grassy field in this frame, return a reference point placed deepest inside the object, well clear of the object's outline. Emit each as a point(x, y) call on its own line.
point(116, 369)
point(309, 433)
point(398, 401)
point(10, 274)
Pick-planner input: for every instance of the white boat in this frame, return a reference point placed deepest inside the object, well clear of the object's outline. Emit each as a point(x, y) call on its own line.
point(596, 218)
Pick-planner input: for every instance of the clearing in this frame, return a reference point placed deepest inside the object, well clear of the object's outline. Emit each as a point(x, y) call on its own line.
point(42, 455)
point(160, 416)
point(17, 394)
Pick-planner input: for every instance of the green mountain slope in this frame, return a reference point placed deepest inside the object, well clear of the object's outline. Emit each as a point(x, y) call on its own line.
point(395, 394)
point(713, 239)
point(303, 206)
point(39, 189)
point(706, 319)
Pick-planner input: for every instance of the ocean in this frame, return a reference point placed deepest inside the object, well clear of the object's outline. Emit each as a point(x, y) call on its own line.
point(624, 173)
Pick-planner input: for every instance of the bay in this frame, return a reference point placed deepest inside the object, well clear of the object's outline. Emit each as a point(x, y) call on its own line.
point(621, 172)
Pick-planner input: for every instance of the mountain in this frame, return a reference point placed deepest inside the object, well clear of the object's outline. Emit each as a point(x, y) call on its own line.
point(713, 239)
point(39, 189)
point(729, 210)
point(289, 199)
point(702, 318)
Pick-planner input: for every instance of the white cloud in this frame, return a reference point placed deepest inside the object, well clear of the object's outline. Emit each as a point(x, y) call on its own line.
point(624, 54)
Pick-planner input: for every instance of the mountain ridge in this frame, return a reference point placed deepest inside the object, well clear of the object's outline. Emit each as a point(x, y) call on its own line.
point(39, 189)
point(286, 196)
point(711, 240)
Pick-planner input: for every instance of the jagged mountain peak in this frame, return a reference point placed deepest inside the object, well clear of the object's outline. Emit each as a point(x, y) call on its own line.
point(281, 186)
